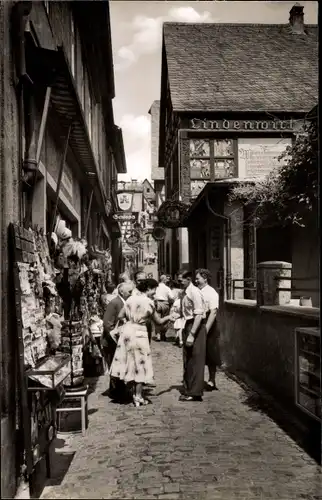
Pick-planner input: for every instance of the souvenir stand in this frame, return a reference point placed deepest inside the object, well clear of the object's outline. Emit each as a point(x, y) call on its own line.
point(41, 368)
point(99, 271)
point(71, 281)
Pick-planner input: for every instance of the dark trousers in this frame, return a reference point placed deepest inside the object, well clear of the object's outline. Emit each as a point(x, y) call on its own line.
point(117, 386)
point(194, 359)
point(213, 351)
point(163, 309)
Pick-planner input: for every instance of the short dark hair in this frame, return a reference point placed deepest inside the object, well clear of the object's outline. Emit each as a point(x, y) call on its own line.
point(137, 273)
point(187, 275)
point(148, 284)
point(205, 273)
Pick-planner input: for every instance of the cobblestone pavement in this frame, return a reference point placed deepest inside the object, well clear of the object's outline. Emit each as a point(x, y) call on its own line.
point(217, 449)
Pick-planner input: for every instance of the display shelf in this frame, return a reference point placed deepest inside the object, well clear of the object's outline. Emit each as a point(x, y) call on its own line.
point(308, 371)
point(50, 372)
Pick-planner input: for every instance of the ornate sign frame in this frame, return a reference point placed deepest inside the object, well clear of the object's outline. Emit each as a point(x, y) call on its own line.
point(172, 213)
point(158, 233)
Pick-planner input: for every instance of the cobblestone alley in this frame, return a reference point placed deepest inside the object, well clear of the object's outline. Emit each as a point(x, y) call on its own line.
point(217, 449)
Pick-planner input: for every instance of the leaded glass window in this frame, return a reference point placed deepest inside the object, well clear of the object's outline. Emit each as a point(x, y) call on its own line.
point(210, 159)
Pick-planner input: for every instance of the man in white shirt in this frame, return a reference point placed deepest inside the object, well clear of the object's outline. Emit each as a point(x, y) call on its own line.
point(211, 298)
point(163, 300)
point(194, 339)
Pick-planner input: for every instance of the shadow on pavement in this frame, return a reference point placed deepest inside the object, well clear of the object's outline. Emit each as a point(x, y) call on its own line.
point(61, 458)
point(306, 434)
point(178, 388)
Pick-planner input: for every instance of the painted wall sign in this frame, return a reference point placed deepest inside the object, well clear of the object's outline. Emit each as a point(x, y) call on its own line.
point(126, 217)
point(258, 157)
point(242, 125)
point(125, 201)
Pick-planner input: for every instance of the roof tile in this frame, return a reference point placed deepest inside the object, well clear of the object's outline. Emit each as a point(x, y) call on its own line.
point(241, 67)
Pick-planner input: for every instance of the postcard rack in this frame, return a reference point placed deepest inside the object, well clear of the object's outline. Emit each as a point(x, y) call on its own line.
point(40, 375)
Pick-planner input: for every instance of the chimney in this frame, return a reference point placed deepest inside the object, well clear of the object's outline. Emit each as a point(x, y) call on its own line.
point(297, 19)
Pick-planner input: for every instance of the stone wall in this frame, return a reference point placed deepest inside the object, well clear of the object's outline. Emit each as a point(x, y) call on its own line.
point(10, 212)
point(259, 342)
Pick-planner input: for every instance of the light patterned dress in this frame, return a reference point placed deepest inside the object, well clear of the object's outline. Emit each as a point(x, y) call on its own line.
point(132, 361)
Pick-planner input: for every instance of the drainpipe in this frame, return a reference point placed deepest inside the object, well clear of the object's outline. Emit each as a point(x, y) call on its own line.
point(20, 14)
point(227, 222)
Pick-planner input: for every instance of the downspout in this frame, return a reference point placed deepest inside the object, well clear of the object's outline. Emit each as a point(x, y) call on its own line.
point(21, 12)
point(227, 221)
point(19, 18)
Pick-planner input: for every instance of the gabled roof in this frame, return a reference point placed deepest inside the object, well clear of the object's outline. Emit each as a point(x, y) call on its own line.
point(241, 67)
point(146, 181)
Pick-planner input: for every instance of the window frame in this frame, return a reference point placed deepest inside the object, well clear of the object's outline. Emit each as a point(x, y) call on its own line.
point(213, 158)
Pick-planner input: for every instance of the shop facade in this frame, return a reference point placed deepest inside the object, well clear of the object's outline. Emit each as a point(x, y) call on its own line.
point(220, 126)
point(61, 153)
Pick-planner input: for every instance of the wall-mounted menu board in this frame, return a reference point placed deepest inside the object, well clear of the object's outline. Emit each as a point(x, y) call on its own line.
point(308, 371)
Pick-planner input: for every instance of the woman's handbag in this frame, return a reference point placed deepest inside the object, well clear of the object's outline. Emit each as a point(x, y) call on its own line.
point(115, 333)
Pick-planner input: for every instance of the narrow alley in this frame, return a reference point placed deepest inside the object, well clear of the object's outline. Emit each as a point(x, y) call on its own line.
point(218, 449)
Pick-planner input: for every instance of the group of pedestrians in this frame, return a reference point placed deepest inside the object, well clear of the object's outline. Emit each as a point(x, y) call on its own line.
point(142, 306)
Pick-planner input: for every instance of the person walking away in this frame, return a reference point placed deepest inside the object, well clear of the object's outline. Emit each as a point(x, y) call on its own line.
point(124, 278)
point(211, 298)
point(194, 339)
point(163, 301)
point(132, 362)
point(139, 277)
point(110, 321)
point(107, 297)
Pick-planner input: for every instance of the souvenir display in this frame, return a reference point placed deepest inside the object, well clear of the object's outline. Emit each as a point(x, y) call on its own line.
point(72, 343)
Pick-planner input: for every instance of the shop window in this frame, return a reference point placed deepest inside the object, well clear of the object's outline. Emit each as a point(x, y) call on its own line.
point(210, 160)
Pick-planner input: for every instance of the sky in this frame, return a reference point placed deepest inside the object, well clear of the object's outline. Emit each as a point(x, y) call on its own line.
point(136, 40)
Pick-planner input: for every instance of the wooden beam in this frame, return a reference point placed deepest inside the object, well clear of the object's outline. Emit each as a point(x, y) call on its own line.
point(52, 224)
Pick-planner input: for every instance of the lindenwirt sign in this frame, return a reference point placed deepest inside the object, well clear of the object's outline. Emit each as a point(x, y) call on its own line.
point(242, 125)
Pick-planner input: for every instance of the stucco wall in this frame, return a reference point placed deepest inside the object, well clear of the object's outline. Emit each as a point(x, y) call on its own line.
point(10, 203)
point(260, 343)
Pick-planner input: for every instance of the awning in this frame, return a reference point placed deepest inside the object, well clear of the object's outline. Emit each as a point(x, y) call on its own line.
point(51, 67)
point(210, 187)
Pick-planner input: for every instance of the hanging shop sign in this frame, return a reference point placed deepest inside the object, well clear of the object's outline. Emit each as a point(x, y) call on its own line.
point(132, 237)
point(158, 233)
point(172, 213)
point(124, 201)
point(242, 125)
point(126, 217)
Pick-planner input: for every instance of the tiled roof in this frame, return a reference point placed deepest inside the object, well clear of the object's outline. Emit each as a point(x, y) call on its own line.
point(241, 67)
